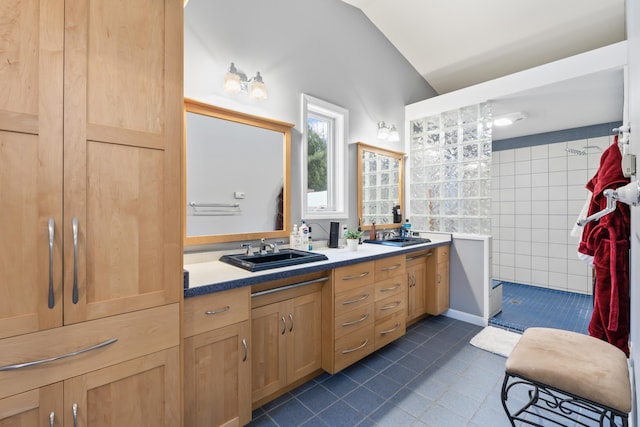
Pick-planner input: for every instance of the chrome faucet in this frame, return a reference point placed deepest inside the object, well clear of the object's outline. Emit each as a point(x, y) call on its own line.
point(249, 247)
point(264, 246)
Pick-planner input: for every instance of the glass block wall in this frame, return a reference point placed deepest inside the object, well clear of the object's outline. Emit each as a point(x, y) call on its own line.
point(450, 171)
point(380, 177)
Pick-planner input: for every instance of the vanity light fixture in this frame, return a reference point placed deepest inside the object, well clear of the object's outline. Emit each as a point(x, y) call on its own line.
point(388, 132)
point(508, 119)
point(236, 81)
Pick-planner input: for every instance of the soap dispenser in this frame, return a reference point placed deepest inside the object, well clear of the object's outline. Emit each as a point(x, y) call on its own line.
point(294, 238)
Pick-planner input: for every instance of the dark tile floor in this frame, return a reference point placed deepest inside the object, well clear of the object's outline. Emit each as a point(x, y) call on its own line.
point(431, 376)
point(524, 306)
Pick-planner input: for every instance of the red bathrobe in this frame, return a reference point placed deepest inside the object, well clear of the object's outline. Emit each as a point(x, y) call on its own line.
point(607, 240)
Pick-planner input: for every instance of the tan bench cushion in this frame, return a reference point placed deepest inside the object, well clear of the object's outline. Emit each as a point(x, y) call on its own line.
point(575, 363)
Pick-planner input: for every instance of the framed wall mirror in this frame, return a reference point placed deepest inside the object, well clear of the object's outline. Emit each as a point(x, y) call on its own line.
point(380, 184)
point(236, 176)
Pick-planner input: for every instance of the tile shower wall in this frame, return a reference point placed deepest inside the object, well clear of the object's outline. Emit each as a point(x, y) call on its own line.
point(537, 195)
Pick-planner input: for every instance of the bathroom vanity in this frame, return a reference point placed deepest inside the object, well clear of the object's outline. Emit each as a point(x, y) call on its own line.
point(251, 337)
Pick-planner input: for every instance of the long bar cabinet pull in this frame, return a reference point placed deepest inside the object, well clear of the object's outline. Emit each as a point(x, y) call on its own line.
point(395, 328)
point(353, 322)
point(284, 326)
point(246, 350)
point(428, 254)
point(393, 288)
point(366, 341)
point(51, 235)
point(74, 223)
point(390, 306)
point(353, 301)
point(222, 310)
point(53, 359)
point(291, 318)
point(52, 418)
point(393, 267)
point(74, 409)
point(357, 276)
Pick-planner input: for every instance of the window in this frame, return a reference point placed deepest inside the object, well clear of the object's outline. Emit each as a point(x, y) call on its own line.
point(324, 165)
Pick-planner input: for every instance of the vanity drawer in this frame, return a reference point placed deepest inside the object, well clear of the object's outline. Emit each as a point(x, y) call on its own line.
point(390, 329)
point(353, 347)
point(354, 319)
point(386, 268)
point(391, 304)
point(352, 276)
point(207, 312)
point(353, 299)
point(392, 286)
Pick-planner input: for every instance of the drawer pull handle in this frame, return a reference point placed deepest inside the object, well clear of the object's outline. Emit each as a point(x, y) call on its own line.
point(358, 276)
point(284, 326)
point(246, 350)
point(390, 306)
point(53, 359)
point(420, 256)
point(74, 409)
point(222, 310)
point(362, 319)
point(395, 328)
point(52, 418)
point(51, 298)
point(291, 318)
point(366, 341)
point(74, 224)
point(393, 267)
point(353, 301)
point(390, 289)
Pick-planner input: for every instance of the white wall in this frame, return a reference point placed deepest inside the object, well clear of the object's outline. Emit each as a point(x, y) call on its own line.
point(537, 195)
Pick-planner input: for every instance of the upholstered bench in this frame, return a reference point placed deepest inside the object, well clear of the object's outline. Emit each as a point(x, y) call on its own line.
point(556, 377)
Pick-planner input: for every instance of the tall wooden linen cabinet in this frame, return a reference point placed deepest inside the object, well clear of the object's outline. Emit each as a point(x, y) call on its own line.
point(90, 230)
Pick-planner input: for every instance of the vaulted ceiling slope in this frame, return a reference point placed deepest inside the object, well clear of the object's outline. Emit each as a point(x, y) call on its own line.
point(454, 44)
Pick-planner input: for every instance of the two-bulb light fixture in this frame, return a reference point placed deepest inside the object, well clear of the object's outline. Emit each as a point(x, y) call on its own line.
point(236, 81)
point(388, 132)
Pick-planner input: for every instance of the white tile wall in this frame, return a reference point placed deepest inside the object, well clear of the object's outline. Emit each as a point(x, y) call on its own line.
point(537, 195)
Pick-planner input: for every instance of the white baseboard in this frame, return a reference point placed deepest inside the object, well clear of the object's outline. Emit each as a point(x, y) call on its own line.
point(466, 317)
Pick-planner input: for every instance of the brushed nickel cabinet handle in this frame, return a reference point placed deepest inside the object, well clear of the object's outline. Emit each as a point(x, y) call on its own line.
point(74, 409)
point(362, 319)
point(284, 326)
point(390, 289)
point(246, 350)
point(52, 418)
point(358, 276)
point(74, 224)
point(393, 267)
point(420, 256)
point(353, 301)
point(390, 306)
point(51, 235)
point(291, 318)
point(366, 341)
point(395, 328)
point(222, 310)
point(53, 359)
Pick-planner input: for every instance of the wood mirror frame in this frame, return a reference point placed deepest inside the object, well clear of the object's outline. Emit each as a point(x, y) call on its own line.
point(373, 191)
point(239, 167)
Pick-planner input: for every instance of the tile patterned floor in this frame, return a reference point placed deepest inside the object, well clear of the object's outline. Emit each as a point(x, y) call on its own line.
point(430, 377)
point(524, 306)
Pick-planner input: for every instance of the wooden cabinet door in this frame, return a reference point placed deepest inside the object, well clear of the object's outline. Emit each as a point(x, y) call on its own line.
point(217, 377)
point(438, 282)
point(304, 346)
point(31, 165)
point(140, 392)
point(417, 278)
point(122, 140)
point(39, 407)
point(268, 350)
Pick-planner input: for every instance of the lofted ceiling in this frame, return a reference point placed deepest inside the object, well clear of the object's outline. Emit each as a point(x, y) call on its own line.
point(455, 44)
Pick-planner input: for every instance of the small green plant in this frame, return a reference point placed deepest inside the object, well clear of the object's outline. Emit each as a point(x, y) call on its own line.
point(352, 233)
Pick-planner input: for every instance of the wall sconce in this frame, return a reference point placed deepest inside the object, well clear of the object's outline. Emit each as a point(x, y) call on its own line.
point(236, 81)
point(388, 132)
